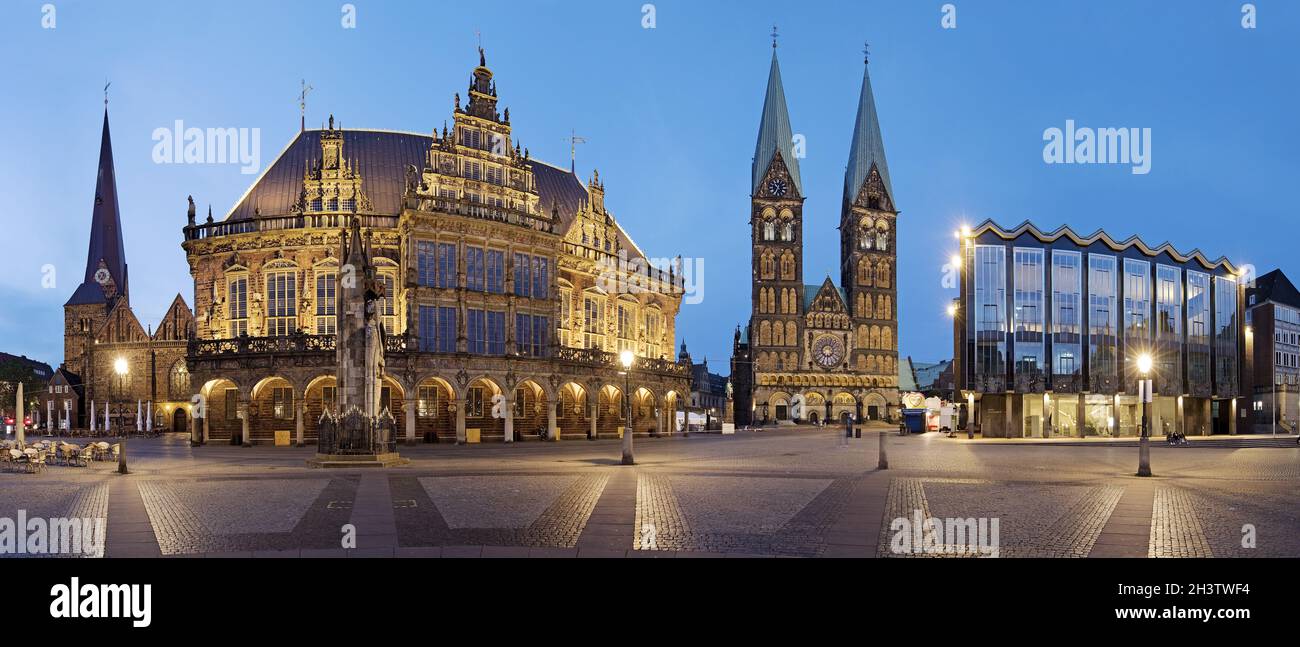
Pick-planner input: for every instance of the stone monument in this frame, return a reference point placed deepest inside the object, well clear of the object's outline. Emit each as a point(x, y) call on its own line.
point(359, 431)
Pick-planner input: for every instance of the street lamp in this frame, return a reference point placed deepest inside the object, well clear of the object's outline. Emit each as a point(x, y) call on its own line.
point(1144, 393)
point(121, 367)
point(625, 358)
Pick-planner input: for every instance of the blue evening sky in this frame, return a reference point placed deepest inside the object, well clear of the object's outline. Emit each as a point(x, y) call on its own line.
point(671, 115)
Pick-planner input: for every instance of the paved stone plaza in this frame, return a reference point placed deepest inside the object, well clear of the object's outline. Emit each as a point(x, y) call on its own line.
point(802, 493)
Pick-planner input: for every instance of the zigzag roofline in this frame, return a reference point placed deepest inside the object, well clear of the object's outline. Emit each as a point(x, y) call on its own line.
point(1101, 236)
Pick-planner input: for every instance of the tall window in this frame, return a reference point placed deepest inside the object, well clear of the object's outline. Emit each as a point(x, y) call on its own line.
point(474, 269)
point(476, 331)
point(386, 306)
point(178, 381)
point(1198, 333)
point(653, 330)
point(446, 329)
point(281, 303)
point(326, 315)
point(1225, 335)
point(626, 327)
point(1028, 313)
point(1066, 315)
point(496, 333)
point(541, 277)
point(523, 275)
point(541, 335)
point(990, 308)
point(474, 402)
point(427, 401)
point(282, 403)
point(1169, 317)
point(1102, 289)
point(566, 311)
point(426, 259)
point(446, 265)
point(593, 311)
point(438, 329)
point(496, 271)
point(237, 302)
point(1137, 304)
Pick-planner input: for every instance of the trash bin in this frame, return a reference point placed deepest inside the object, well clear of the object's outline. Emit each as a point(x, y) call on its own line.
point(857, 432)
point(914, 420)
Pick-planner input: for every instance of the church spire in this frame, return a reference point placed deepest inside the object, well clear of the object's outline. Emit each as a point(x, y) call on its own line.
point(868, 148)
point(774, 134)
point(105, 250)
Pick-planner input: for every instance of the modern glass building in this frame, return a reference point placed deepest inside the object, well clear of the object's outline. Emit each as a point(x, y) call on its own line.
point(1049, 326)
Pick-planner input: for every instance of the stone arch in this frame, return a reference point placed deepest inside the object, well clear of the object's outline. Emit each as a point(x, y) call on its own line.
point(874, 406)
point(779, 405)
point(645, 411)
point(610, 413)
point(572, 415)
point(272, 407)
point(479, 392)
point(791, 334)
point(843, 403)
point(318, 396)
point(221, 398)
point(434, 397)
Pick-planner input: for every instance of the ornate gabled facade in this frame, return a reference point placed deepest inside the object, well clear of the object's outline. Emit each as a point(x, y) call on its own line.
point(503, 275)
point(818, 352)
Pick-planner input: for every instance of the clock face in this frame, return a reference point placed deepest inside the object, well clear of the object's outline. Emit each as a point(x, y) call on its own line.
point(828, 352)
point(776, 187)
point(101, 276)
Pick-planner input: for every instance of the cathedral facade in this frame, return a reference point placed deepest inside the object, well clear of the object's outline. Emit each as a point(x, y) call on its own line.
point(816, 352)
point(509, 292)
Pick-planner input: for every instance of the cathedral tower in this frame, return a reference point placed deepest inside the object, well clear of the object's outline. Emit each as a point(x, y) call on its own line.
point(776, 229)
point(867, 252)
point(819, 352)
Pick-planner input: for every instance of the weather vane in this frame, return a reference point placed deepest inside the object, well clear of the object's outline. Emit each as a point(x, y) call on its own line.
point(574, 139)
point(866, 52)
point(302, 103)
point(774, 36)
point(106, 93)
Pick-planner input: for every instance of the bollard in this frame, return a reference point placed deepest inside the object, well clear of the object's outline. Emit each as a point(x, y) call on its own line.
point(883, 463)
point(857, 432)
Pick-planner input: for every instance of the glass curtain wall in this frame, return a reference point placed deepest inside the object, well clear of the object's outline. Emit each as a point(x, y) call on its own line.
point(1028, 318)
point(989, 285)
point(1102, 325)
point(1067, 314)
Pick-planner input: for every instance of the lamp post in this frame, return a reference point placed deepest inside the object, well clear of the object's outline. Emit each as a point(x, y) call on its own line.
point(121, 368)
point(1144, 393)
point(625, 358)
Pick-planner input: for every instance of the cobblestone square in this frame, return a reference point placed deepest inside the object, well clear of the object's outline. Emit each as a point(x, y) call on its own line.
point(802, 492)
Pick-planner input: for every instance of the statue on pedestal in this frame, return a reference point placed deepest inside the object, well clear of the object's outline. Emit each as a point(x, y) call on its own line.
point(360, 431)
